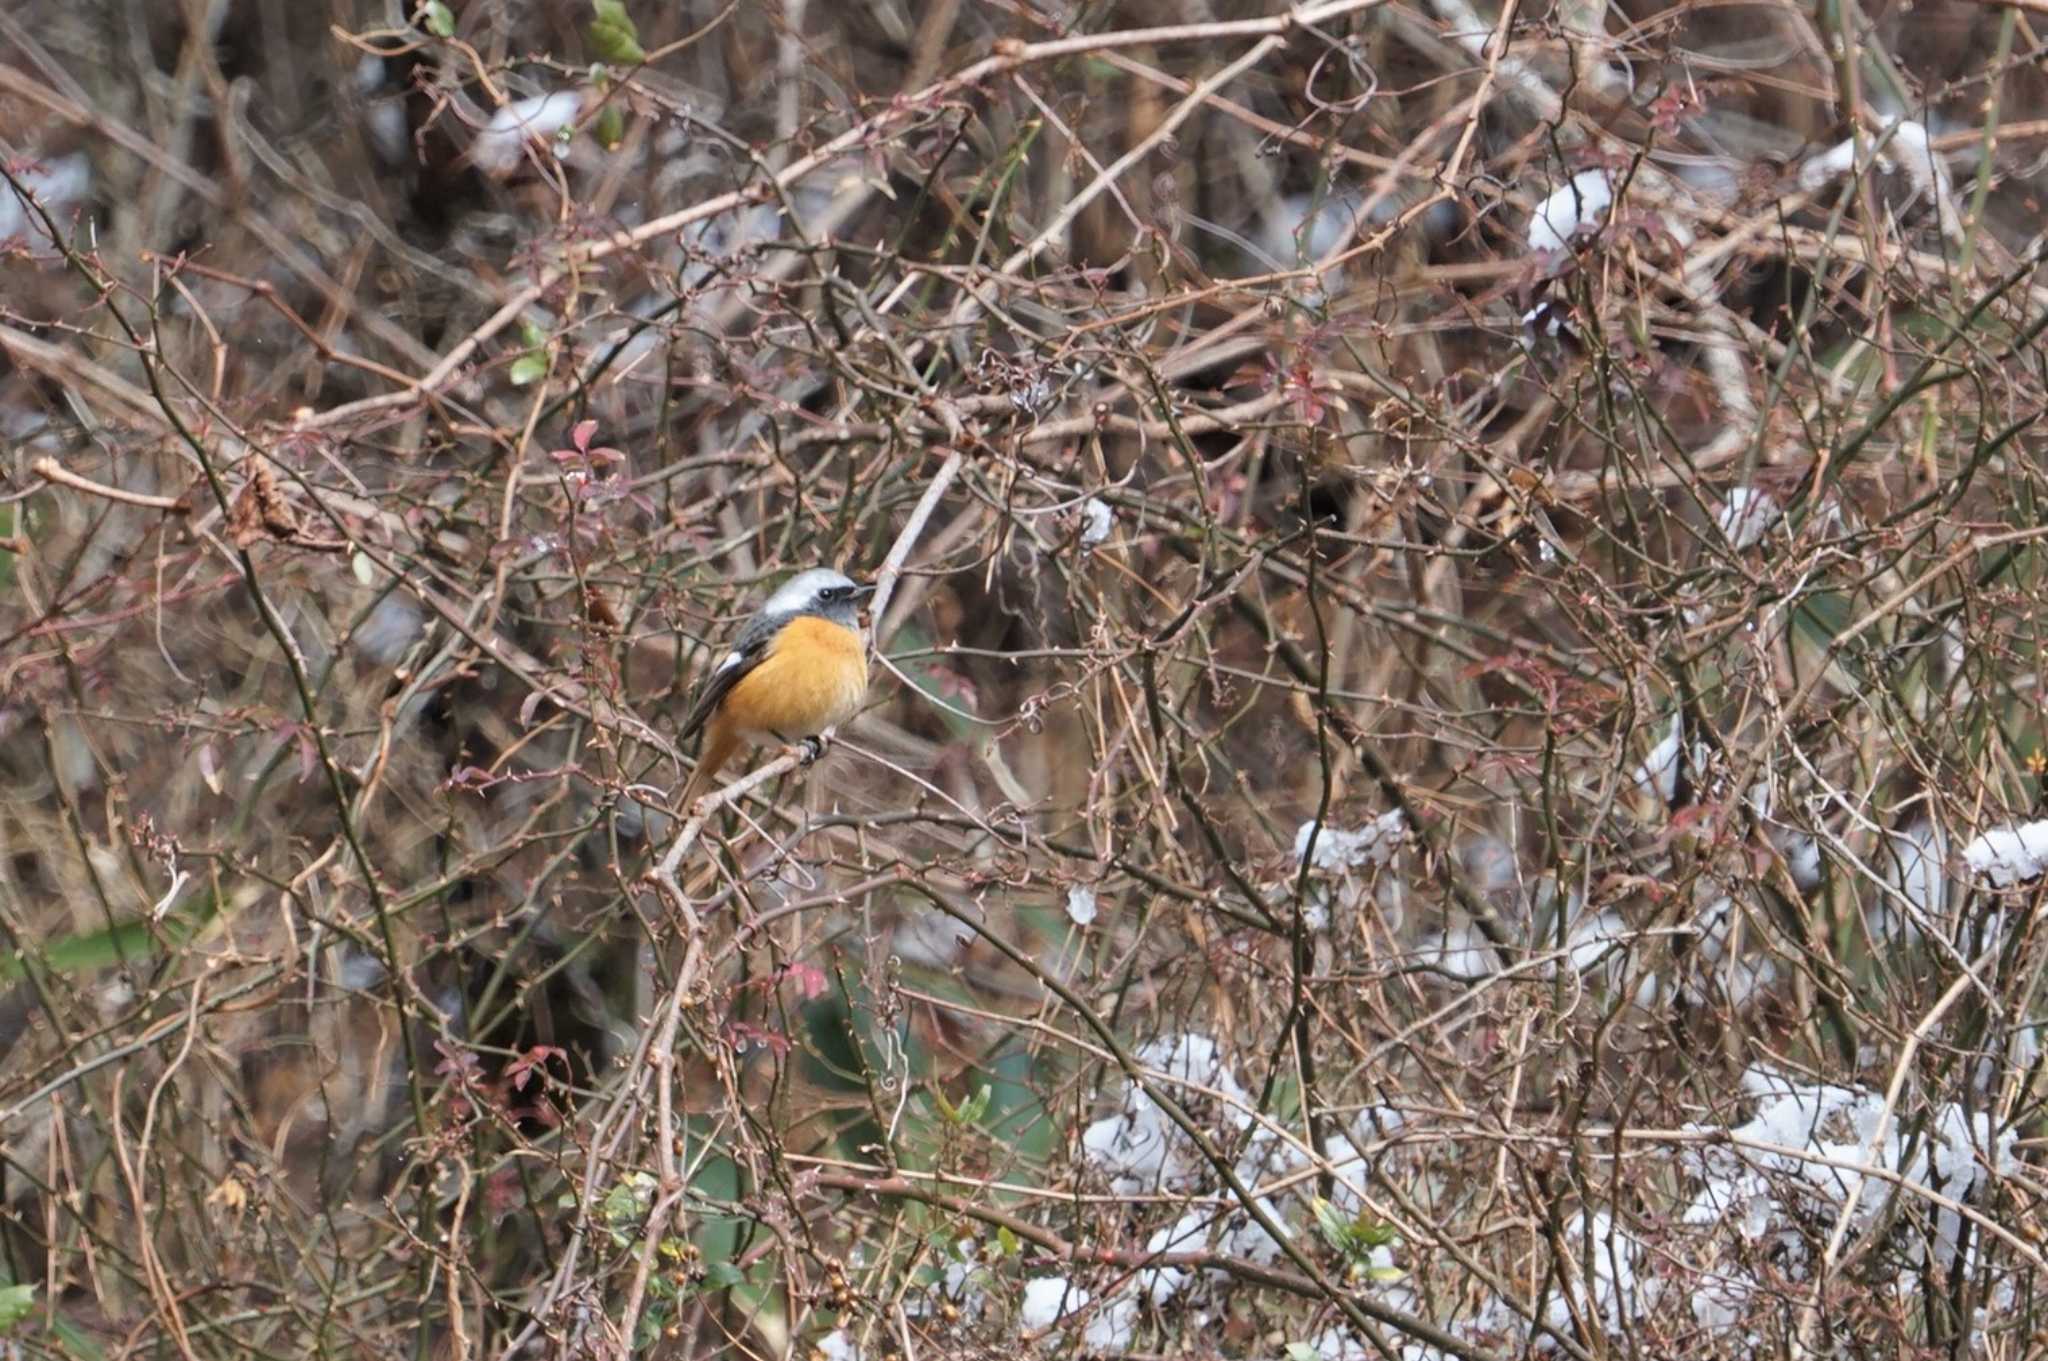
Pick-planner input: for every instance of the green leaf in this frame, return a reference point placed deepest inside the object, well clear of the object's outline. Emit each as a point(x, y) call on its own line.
point(1373, 1233)
point(1355, 1238)
point(1301, 1351)
point(652, 1324)
point(613, 36)
point(15, 1303)
point(610, 127)
point(1336, 1228)
point(722, 1276)
point(1007, 1241)
point(532, 366)
point(628, 1199)
point(439, 18)
point(123, 943)
point(529, 368)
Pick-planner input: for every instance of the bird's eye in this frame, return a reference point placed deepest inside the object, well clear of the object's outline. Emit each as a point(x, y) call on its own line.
point(834, 593)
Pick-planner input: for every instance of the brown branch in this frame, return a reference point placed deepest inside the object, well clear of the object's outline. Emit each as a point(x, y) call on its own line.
point(51, 471)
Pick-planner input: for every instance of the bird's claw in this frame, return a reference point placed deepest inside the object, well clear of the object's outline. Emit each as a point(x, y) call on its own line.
point(807, 751)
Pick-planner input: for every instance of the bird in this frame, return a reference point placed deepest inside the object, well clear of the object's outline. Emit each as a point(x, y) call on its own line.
point(797, 669)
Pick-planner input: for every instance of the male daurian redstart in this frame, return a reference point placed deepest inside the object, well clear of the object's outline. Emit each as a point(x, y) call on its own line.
point(798, 669)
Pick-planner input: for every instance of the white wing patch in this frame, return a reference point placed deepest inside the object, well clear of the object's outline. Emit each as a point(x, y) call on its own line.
point(732, 659)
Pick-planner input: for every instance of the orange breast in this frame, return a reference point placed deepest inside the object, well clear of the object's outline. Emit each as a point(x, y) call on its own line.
point(814, 677)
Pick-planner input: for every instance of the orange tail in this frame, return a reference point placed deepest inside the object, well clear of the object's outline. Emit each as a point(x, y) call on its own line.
point(719, 743)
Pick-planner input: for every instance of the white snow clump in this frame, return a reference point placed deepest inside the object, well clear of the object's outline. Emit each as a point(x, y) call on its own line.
point(1139, 1146)
point(1338, 850)
point(500, 146)
point(1770, 1198)
point(1658, 774)
point(2009, 855)
point(1049, 1299)
point(1097, 520)
point(1747, 517)
point(1581, 202)
point(59, 185)
point(1081, 908)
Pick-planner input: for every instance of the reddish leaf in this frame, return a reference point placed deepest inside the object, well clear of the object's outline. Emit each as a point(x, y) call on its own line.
point(521, 1070)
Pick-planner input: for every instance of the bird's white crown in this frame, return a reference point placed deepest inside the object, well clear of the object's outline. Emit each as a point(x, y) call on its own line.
point(818, 591)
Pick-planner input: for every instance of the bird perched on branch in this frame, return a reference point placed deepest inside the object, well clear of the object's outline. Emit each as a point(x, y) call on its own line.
point(797, 670)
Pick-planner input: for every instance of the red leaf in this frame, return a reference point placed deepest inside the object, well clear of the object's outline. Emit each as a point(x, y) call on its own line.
point(521, 1070)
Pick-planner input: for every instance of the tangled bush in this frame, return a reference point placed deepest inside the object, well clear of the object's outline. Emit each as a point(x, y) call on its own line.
point(1454, 751)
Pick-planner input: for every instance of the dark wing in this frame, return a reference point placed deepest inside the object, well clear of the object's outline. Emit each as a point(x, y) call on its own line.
point(748, 651)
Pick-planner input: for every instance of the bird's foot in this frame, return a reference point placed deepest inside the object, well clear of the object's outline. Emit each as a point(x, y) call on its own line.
point(808, 750)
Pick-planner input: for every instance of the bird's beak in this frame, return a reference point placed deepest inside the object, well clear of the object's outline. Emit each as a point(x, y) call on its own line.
point(864, 590)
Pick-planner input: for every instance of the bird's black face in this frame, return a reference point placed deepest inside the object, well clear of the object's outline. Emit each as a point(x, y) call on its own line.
point(848, 594)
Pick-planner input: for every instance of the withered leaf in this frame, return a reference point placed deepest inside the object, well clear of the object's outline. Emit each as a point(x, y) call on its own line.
point(260, 511)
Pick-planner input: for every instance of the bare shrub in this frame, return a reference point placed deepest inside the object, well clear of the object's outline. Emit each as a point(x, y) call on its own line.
point(1455, 747)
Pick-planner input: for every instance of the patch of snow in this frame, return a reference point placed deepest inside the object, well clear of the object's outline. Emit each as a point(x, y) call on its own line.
point(1337, 850)
point(1597, 939)
point(1113, 1327)
point(1928, 171)
point(1658, 774)
point(1047, 1300)
point(501, 145)
point(1460, 951)
point(1290, 236)
point(1802, 857)
point(1742, 978)
point(1097, 520)
point(1189, 1233)
point(1139, 1146)
point(1836, 161)
point(1794, 1164)
point(60, 185)
point(1913, 861)
point(2009, 855)
point(1747, 516)
point(719, 239)
point(1580, 203)
point(1801, 852)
